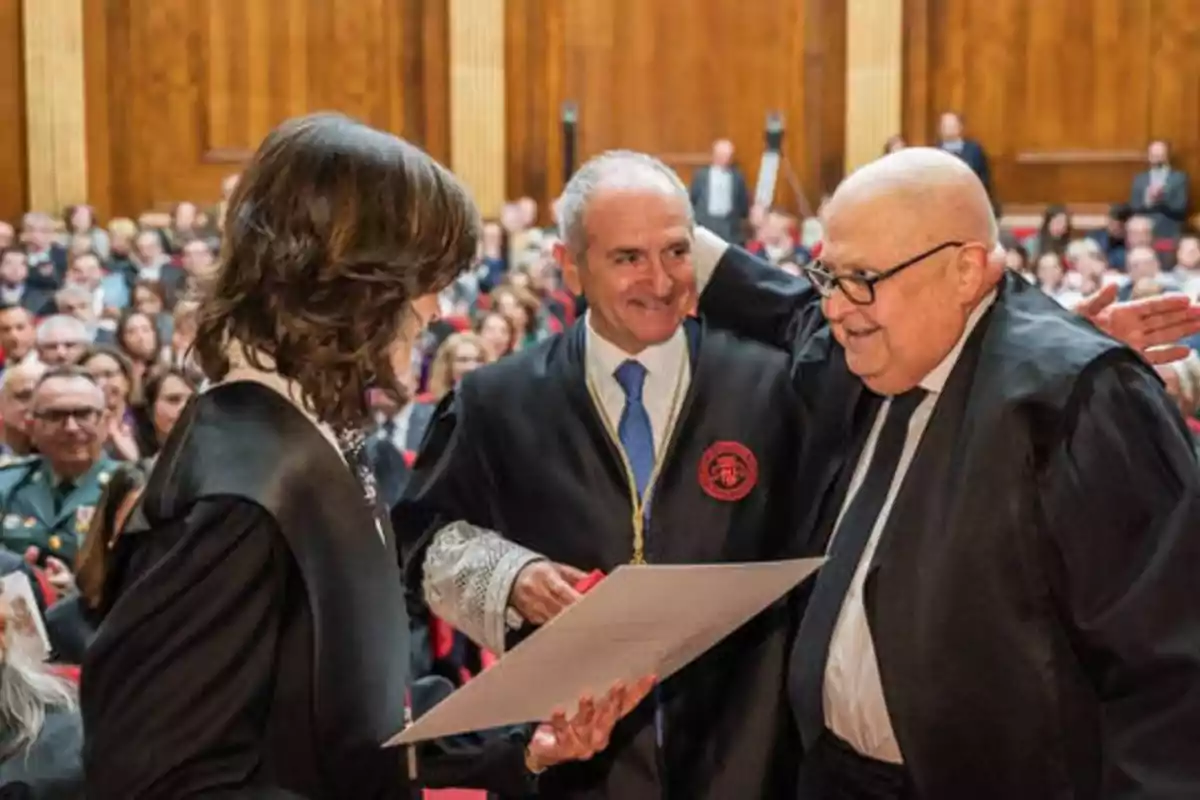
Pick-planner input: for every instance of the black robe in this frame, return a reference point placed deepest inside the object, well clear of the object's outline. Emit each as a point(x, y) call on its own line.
point(521, 449)
point(1033, 600)
point(258, 637)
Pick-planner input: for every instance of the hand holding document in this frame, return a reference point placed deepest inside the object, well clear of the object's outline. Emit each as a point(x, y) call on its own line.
point(640, 620)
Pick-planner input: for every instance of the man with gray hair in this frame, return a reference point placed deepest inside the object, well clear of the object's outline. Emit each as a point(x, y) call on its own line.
point(640, 435)
point(17, 384)
point(61, 340)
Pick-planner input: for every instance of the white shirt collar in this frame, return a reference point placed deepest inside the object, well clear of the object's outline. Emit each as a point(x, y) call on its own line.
point(935, 381)
point(604, 357)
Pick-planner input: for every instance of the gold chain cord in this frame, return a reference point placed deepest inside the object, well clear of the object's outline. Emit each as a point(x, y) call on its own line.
point(639, 504)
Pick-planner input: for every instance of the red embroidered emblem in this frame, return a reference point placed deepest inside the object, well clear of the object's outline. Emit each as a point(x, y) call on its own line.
point(728, 471)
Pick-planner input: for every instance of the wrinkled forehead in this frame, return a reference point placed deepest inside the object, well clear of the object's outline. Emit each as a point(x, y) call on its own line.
point(68, 393)
point(871, 233)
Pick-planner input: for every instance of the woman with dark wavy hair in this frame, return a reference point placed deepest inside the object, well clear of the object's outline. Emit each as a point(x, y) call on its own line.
point(257, 640)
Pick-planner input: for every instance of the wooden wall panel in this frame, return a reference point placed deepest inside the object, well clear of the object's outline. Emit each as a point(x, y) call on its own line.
point(13, 167)
point(1064, 96)
point(668, 77)
point(181, 91)
point(477, 120)
point(55, 124)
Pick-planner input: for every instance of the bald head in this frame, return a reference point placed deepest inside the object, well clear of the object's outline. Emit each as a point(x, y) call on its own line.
point(931, 193)
point(912, 240)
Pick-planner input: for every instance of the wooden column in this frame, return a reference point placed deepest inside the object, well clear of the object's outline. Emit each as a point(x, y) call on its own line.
point(54, 103)
point(874, 69)
point(477, 124)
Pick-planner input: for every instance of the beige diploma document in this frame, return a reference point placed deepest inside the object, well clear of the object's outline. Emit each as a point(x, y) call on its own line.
point(639, 620)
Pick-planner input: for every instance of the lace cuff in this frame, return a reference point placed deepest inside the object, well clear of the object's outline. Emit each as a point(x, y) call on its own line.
point(469, 574)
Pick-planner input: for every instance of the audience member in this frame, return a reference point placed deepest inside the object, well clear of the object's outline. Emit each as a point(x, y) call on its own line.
point(719, 194)
point(48, 499)
point(61, 340)
point(1161, 192)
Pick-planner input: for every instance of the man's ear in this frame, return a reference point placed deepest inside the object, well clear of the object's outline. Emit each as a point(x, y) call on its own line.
point(977, 270)
point(570, 270)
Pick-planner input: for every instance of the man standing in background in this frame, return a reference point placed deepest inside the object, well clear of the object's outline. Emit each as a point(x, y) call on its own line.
point(720, 196)
point(1161, 192)
point(952, 140)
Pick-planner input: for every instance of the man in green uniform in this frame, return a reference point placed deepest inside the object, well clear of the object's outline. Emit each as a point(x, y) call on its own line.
point(47, 500)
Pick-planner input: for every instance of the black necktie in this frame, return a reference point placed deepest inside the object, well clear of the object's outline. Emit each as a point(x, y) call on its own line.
point(61, 494)
point(846, 551)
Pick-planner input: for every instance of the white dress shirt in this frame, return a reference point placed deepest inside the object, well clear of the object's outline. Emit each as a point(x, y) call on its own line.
point(667, 367)
point(400, 421)
point(855, 708)
point(720, 192)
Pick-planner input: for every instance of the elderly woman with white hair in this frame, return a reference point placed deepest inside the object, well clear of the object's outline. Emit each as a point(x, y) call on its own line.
point(41, 735)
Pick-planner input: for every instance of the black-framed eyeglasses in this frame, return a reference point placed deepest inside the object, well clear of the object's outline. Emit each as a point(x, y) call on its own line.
point(860, 289)
point(59, 416)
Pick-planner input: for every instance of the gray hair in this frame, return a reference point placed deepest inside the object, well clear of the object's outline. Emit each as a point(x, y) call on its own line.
point(615, 169)
point(72, 327)
point(34, 368)
point(36, 218)
point(71, 292)
point(27, 690)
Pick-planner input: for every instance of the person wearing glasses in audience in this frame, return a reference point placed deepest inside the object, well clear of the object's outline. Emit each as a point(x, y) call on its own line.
point(1010, 501)
point(47, 500)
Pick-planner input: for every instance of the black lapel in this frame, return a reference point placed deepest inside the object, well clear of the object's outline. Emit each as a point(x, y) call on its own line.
point(569, 367)
point(837, 429)
point(918, 518)
point(700, 358)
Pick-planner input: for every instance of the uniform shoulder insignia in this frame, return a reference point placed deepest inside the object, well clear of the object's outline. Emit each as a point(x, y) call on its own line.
point(10, 461)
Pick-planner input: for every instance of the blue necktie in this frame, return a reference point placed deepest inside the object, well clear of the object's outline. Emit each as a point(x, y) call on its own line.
point(634, 430)
point(637, 438)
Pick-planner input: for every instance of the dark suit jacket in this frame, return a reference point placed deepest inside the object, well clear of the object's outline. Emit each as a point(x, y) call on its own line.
point(1032, 600)
point(37, 300)
point(732, 226)
point(519, 448)
point(1170, 211)
point(50, 768)
point(418, 424)
point(48, 273)
point(973, 154)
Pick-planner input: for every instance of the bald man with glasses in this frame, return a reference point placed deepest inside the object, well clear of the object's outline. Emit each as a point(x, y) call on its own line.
point(1008, 499)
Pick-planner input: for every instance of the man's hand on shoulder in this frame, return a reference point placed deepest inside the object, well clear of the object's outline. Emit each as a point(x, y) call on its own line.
point(1153, 326)
point(543, 589)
